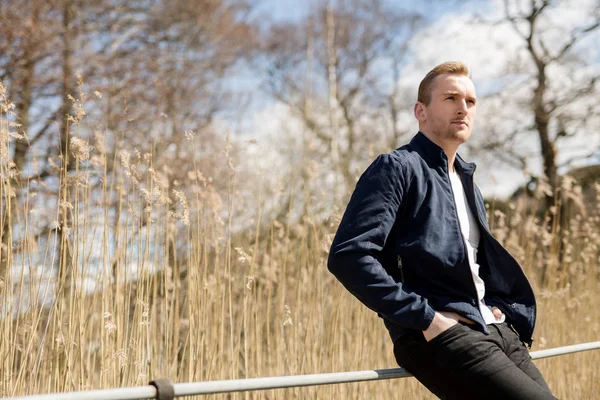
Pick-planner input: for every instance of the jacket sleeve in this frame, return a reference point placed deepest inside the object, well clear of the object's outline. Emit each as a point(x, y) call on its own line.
point(360, 238)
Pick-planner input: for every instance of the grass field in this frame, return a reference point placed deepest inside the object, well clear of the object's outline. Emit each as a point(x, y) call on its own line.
point(164, 287)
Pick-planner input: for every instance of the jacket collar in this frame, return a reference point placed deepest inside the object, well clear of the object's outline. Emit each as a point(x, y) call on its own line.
point(435, 153)
point(466, 167)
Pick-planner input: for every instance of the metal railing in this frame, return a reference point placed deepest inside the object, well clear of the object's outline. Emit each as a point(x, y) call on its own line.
point(163, 389)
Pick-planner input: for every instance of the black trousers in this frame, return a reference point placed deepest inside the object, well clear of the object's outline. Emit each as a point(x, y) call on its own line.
point(462, 363)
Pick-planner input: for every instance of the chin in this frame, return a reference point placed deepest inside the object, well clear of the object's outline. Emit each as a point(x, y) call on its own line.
point(465, 137)
point(459, 137)
point(462, 136)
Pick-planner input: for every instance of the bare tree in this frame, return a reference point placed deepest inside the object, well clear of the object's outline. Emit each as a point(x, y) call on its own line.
point(337, 72)
point(159, 68)
point(561, 80)
point(27, 40)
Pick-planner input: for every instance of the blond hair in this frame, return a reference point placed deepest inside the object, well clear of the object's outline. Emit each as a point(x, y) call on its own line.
point(448, 67)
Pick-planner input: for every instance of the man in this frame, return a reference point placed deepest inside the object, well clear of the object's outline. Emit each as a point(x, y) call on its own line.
point(415, 247)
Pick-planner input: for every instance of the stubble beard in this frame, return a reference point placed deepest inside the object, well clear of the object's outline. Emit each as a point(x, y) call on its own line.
point(458, 136)
point(451, 135)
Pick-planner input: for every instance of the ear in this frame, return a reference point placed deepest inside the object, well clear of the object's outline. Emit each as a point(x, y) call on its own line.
point(419, 111)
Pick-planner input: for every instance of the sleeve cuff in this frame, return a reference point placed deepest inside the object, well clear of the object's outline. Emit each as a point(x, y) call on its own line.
point(428, 318)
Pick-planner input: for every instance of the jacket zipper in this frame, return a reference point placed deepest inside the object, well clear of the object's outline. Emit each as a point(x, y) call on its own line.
point(462, 239)
point(400, 268)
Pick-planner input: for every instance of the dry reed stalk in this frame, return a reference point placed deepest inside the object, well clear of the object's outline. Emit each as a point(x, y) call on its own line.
point(182, 293)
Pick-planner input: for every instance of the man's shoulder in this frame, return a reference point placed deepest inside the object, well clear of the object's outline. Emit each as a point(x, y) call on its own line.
point(401, 163)
point(404, 156)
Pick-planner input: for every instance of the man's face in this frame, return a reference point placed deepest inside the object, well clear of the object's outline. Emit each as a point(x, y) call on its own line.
point(450, 115)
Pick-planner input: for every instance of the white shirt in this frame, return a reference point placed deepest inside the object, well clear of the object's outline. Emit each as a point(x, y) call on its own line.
point(471, 235)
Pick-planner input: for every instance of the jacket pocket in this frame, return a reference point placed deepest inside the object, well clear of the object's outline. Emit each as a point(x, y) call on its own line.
point(518, 315)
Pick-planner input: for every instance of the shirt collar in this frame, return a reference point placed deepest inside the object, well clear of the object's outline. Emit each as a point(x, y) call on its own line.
point(435, 153)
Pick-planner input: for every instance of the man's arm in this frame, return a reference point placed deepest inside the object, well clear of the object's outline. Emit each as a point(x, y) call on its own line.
point(361, 236)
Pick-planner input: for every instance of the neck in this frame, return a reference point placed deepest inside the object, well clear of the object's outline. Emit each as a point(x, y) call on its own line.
point(449, 148)
point(451, 161)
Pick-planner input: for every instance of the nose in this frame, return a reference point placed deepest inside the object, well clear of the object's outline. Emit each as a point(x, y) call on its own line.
point(462, 108)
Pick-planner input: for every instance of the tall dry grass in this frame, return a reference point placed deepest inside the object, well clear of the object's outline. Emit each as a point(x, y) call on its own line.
point(163, 285)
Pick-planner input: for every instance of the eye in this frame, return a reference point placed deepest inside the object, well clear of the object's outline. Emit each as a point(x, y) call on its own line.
point(471, 101)
point(449, 97)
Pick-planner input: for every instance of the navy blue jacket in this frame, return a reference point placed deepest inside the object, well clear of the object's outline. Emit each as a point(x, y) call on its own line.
point(399, 248)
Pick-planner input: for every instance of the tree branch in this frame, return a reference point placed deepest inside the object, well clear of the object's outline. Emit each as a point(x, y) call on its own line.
point(576, 35)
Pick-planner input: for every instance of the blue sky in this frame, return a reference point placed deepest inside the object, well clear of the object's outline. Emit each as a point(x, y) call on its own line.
point(285, 10)
point(290, 10)
point(452, 32)
point(267, 11)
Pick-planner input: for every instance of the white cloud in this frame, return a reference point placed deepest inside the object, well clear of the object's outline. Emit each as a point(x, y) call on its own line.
point(499, 61)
